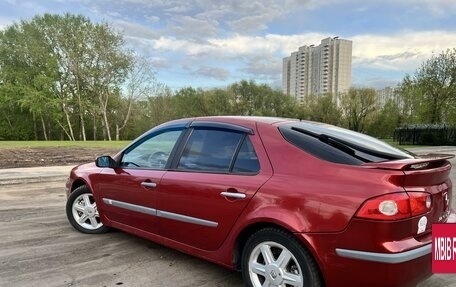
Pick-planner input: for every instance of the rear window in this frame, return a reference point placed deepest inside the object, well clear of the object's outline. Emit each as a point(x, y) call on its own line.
point(339, 145)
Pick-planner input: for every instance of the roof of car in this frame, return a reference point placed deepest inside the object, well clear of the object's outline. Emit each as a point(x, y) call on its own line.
point(239, 119)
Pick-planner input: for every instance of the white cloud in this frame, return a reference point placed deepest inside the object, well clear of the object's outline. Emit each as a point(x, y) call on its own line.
point(250, 23)
point(191, 27)
point(237, 16)
point(159, 62)
point(266, 68)
point(403, 51)
point(238, 45)
point(114, 14)
point(179, 9)
point(435, 7)
point(133, 30)
point(259, 14)
point(220, 74)
point(153, 19)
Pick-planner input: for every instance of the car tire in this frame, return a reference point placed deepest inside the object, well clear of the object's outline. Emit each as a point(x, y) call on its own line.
point(278, 257)
point(82, 212)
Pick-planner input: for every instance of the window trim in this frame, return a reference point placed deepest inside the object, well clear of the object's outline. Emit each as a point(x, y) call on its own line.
point(236, 153)
point(221, 126)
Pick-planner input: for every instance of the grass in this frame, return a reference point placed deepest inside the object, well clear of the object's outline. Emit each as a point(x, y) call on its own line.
point(65, 144)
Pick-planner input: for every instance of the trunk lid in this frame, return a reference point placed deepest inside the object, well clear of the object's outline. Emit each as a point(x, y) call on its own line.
point(428, 174)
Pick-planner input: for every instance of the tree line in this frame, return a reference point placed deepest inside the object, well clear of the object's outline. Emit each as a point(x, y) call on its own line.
point(65, 77)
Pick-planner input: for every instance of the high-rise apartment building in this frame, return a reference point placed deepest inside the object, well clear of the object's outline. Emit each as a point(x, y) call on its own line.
point(325, 68)
point(388, 94)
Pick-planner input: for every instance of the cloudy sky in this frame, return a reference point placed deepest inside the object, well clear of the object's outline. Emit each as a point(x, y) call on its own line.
point(209, 43)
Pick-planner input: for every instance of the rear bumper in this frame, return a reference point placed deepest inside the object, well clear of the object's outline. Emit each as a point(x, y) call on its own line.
point(385, 257)
point(352, 267)
point(355, 272)
point(372, 253)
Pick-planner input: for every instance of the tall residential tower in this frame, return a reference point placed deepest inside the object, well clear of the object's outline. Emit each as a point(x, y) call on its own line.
point(325, 68)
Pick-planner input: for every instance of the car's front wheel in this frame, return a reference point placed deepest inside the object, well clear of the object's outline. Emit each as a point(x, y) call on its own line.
point(273, 257)
point(82, 212)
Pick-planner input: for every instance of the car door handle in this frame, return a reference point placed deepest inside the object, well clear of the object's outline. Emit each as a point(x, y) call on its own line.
point(148, 184)
point(236, 195)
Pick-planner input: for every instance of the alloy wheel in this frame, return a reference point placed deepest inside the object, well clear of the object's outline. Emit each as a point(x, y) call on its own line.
point(85, 212)
point(271, 264)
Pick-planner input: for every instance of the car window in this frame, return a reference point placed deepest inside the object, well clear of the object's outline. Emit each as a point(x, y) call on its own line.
point(339, 145)
point(210, 150)
point(246, 160)
point(153, 152)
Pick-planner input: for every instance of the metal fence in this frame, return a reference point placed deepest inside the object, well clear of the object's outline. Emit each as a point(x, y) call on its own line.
point(426, 135)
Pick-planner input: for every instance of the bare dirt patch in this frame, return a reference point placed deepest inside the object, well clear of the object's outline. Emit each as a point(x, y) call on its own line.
point(50, 156)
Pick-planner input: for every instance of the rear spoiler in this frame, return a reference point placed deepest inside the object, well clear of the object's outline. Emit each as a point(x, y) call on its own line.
point(423, 162)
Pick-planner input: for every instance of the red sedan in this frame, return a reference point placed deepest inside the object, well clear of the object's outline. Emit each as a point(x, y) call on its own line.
point(287, 202)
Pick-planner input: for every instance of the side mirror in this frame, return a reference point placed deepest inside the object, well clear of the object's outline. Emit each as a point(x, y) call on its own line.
point(105, 161)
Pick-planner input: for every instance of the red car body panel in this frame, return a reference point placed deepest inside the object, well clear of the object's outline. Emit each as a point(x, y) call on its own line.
point(315, 199)
point(205, 203)
point(125, 185)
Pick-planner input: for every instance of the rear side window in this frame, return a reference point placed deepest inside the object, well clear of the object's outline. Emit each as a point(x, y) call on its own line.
point(339, 145)
point(246, 160)
point(210, 150)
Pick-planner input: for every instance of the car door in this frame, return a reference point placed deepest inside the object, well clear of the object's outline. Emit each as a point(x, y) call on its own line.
point(218, 172)
point(129, 192)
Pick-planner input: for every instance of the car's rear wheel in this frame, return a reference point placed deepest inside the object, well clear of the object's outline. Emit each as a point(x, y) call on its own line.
point(273, 257)
point(82, 212)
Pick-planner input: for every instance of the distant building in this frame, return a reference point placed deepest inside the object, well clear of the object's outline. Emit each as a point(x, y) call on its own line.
point(385, 95)
point(325, 68)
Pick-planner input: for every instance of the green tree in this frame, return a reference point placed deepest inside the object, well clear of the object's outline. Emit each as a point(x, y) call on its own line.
point(189, 102)
point(62, 68)
point(322, 108)
point(385, 120)
point(218, 102)
point(111, 63)
point(357, 105)
point(278, 104)
point(429, 93)
point(27, 73)
point(249, 98)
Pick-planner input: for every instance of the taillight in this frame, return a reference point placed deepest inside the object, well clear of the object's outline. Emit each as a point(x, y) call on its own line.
point(396, 206)
point(420, 202)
